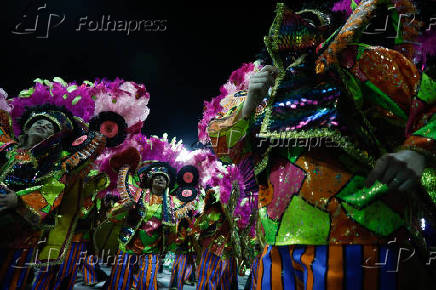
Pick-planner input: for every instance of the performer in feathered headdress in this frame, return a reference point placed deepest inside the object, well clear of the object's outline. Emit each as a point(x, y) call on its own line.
point(145, 237)
point(144, 209)
point(226, 225)
point(342, 147)
point(188, 206)
point(39, 170)
point(67, 243)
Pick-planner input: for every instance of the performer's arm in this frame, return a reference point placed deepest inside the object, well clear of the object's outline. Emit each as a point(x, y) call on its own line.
point(37, 202)
point(121, 208)
point(229, 133)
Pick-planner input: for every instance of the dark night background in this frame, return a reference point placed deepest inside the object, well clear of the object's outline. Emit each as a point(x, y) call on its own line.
point(181, 66)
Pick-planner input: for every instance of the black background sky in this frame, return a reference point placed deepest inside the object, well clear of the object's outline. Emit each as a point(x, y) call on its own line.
point(181, 66)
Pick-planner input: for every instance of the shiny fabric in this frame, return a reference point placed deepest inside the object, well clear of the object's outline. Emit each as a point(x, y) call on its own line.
point(347, 267)
point(311, 106)
point(134, 272)
point(319, 136)
point(254, 273)
point(215, 272)
point(89, 270)
point(39, 194)
point(214, 231)
point(320, 212)
point(181, 271)
point(145, 235)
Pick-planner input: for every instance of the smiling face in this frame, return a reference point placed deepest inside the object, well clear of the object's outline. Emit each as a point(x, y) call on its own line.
point(40, 130)
point(158, 184)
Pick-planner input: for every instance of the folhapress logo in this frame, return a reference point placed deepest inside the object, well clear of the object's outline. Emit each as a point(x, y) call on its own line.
point(106, 23)
point(40, 23)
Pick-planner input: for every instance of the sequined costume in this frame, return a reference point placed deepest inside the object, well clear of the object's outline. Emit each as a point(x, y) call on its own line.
point(217, 266)
point(41, 177)
point(184, 264)
point(226, 227)
point(185, 201)
point(80, 256)
point(313, 142)
point(88, 260)
point(59, 248)
point(147, 220)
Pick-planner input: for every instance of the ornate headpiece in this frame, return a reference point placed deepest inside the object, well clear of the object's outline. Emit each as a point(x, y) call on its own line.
point(111, 125)
point(119, 107)
point(149, 169)
point(67, 128)
point(46, 99)
point(187, 180)
point(57, 117)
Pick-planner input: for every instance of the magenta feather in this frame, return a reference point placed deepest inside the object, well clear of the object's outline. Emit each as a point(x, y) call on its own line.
point(87, 99)
point(344, 5)
point(238, 81)
point(427, 46)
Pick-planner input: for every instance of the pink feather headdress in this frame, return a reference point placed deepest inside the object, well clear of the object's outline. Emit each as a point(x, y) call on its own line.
point(162, 149)
point(127, 99)
point(238, 81)
point(149, 148)
point(87, 99)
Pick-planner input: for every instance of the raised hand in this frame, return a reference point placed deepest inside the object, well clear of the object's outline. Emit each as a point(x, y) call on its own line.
point(258, 88)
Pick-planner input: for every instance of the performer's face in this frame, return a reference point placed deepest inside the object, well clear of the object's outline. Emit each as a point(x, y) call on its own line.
point(159, 184)
point(41, 129)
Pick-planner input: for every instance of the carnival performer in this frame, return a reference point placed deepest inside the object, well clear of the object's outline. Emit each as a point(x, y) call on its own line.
point(88, 263)
point(107, 101)
point(335, 213)
point(79, 254)
point(226, 224)
point(186, 201)
point(158, 236)
point(182, 270)
point(38, 169)
point(112, 230)
point(217, 268)
point(145, 209)
point(122, 107)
